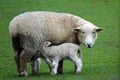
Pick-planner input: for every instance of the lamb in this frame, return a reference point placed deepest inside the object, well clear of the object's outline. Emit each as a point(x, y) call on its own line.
point(53, 54)
point(29, 29)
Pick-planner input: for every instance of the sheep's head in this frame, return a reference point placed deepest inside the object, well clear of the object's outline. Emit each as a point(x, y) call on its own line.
point(87, 34)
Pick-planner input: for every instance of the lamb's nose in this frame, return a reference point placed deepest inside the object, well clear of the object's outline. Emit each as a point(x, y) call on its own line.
point(89, 45)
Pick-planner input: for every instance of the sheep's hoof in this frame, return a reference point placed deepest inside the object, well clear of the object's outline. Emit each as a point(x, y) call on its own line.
point(23, 74)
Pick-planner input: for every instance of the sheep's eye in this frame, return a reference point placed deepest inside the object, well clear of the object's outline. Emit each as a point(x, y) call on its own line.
point(93, 32)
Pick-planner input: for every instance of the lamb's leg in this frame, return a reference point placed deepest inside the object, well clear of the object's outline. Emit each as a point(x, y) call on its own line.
point(79, 66)
point(78, 63)
point(35, 66)
point(23, 64)
point(54, 67)
point(60, 67)
point(48, 61)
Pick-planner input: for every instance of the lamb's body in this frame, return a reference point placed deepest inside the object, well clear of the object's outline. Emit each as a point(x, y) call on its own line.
point(54, 54)
point(62, 51)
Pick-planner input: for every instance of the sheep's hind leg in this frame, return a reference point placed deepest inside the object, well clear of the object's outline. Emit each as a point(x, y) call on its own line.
point(16, 57)
point(23, 64)
point(17, 51)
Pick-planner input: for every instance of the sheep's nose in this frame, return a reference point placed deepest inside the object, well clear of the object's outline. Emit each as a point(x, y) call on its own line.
point(89, 45)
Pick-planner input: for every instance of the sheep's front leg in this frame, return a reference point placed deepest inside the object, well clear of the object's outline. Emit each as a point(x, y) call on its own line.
point(35, 66)
point(60, 67)
point(54, 66)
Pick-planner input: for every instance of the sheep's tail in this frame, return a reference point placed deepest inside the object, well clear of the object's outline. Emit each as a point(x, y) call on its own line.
point(80, 53)
point(16, 44)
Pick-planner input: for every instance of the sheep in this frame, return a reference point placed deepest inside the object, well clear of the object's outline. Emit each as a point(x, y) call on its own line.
point(29, 29)
point(53, 54)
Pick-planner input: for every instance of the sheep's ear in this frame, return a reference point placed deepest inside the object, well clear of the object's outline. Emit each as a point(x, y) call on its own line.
point(76, 30)
point(47, 43)
point(98, 29)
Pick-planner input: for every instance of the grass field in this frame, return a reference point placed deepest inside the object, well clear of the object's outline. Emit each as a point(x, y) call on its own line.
point(99, 63)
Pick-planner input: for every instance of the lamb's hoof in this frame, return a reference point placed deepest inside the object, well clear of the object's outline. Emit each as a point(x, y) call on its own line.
point(23, 74)
point(78, 72)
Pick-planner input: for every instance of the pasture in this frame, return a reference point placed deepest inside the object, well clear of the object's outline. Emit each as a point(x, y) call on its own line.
point(101, 62)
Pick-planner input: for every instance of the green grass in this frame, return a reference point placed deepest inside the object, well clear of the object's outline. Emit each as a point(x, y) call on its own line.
point(99, 63)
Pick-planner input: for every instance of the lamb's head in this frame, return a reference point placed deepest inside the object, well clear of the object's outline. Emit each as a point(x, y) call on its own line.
point(87, 33)
point(45, 47)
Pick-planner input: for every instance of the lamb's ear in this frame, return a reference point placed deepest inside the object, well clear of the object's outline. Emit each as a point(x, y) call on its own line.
point(98, 29)
point(76, 30)
point(47, 43)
